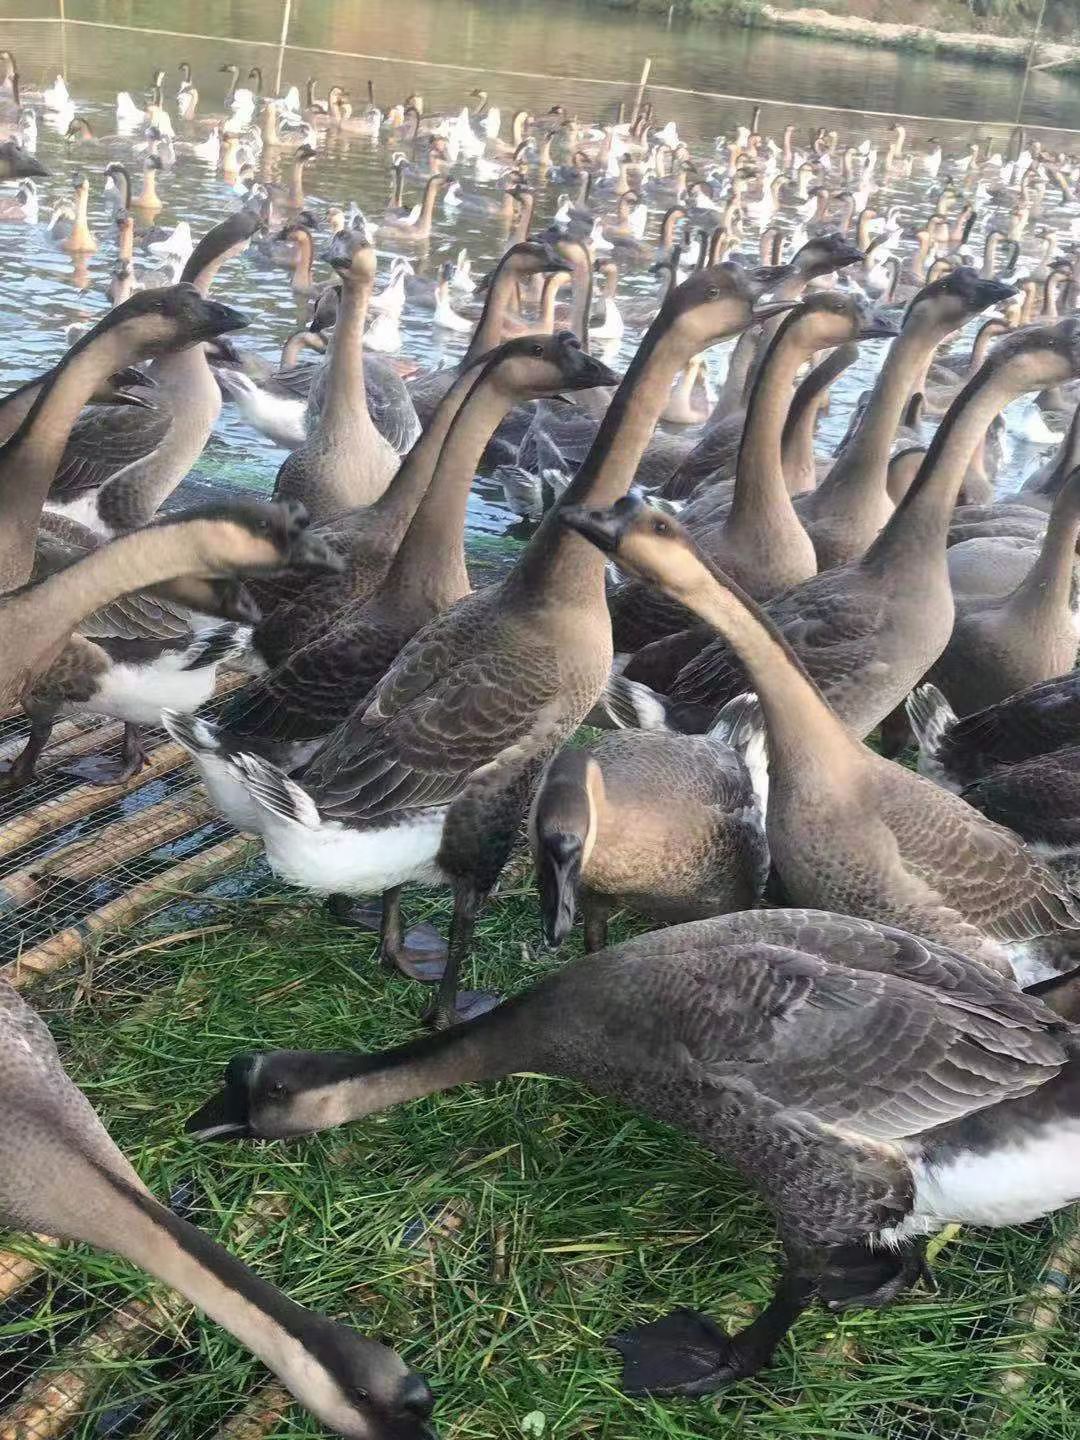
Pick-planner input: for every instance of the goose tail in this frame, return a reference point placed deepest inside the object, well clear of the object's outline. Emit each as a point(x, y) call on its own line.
point(274, 791)
point(216, 645)
point(631, 705)
point(198, 737)
point(741, 724)
point(931, 716)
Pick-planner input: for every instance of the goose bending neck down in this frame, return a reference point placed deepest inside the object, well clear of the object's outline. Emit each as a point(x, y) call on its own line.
point(957, 1101)
point(62, 1175)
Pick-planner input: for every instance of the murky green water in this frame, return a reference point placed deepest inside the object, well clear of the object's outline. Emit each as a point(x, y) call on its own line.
point(443, 48)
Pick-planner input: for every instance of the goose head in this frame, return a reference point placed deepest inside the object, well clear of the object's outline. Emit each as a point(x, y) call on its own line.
point(825, 253)
point(647, 543)
point(537, 366)
point(352, 257)
point(252, 537)
point(949, 302)
point(721, 300)
point(166, 319)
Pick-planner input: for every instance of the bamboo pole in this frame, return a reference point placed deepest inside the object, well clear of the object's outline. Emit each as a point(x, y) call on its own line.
point(84, 800)
point(135, 835)
point(259, 1416)
point(17, 1271)
point(641, 85)
point(1041, 1313)
point(70, 944)
point(51, 1403)
point(286, 16)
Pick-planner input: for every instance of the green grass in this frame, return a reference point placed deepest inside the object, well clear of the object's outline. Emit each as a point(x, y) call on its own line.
point(570, 1218)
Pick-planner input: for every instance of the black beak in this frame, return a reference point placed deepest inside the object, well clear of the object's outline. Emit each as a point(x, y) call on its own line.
point(311, 552)
point(878, 327)
point(223, 1117)
point(227, 1115)
point(593, 373)
point(604, 528)
point(222, 319)
point(558, 874)
point(996, 292)
point(766, 309)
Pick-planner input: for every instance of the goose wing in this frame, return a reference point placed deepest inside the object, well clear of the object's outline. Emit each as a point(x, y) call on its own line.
point(980, 870)
point(455, 700)
point(103, 441)
point(1042, 718)
point(1038, 799)
point(139, 615)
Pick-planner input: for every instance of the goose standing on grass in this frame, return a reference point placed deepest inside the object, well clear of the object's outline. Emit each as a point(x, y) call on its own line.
point(285, 714)
point(872, 1087)
point(344, 461)
point(429, 778)
point(848, 829)
point(115, 473)
point(667, 825)
point(61, 1174)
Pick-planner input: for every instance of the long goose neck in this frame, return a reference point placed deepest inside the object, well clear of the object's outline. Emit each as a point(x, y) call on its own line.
point(264, 1320)
point(581, 299)
point(797, 442)
point(802, 727)
point(29, 459)
point(432, 555)
point(396, 507)
point(917, 529)
point(560, 561)
point(759, 475)
point(864, 459)
point(427, 209)
point(1045, 591)
point(520, 232)
point(489, 327)
point(346, 399)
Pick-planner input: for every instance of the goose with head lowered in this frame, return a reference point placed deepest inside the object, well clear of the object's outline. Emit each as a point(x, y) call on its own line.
point(666, 825)
point(871, 1086)
point(116, 470)
point(430, 777)
point(848, 829)
point(62, 1175)
point(287, 712)
point(868, 631)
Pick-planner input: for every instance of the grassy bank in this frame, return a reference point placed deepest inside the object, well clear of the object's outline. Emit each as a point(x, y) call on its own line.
point(495, 1235)
point(980, 46)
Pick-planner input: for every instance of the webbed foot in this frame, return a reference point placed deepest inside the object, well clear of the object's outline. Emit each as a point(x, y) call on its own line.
point(684, 1353)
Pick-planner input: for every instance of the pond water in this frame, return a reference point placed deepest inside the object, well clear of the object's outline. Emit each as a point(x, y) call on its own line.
point(442, 48)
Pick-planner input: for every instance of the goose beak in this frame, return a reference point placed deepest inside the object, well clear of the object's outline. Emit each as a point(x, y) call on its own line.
point(311, 552)
point(878, 327)
point(226, 1115)
point(766, 309)
point(603, 528)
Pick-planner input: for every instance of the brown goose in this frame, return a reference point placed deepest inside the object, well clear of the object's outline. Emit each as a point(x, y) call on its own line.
point(800, 464)
point(848, 829)
point(344, 462)
point(430, 777)
point(152, 323)
point(61, 1174)
point(315, 688)
point(604, 831)
point(119, 466)
point(868, 631)
point(760, 540)
point(715, 454)
point(871, 1086)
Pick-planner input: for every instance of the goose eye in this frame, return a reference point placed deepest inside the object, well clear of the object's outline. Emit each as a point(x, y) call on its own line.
point(538, 351)
point(713, 293)
point(358, 1395)
point(660, 527)
point(277, 1091)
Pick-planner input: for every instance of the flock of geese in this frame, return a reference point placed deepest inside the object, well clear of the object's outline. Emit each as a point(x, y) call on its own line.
point(860, 986)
